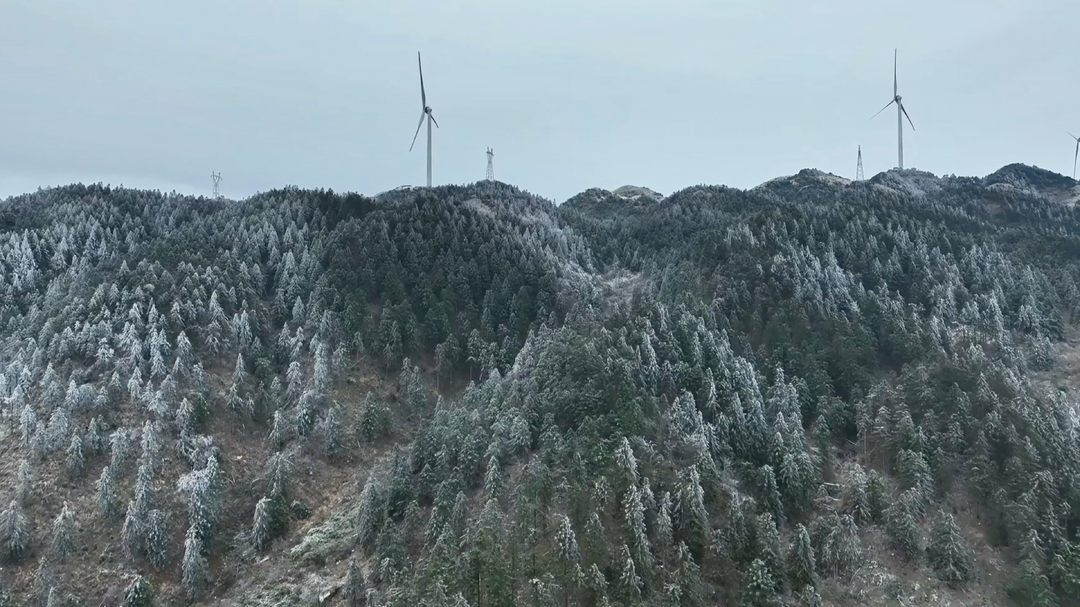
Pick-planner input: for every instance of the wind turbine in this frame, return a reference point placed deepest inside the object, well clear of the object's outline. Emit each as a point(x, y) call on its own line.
point(901, 113)
point(1076, 153)
point(425, 113)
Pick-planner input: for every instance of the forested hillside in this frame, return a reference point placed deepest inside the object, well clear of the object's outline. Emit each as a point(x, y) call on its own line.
point(815, 392)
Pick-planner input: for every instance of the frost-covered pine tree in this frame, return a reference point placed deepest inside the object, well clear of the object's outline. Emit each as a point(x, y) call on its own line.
point(187, 419)
point(901, 523)
point(262, 527)
point(185, 355)
point(295, 377)
point(59, 429)
point(157, 355)
point(663, 523)
point(692, 499)
point(372, 510)
point(151, 446)
point(120, 449)
point(355, 591)
point(24, 482)
point(634, 513)
point(202, 493)
point(75, 462)
point(15, 532)
point(156, 539)
point(280, 430)
point(493, 480)
point(629, 579)
point(624, 457)
point(106, 493)
point(566, 548)
point(320, 375)
point(28, 423)
point(43, 581)
point(239, 371)
point(331, 432)
point(948, 553)
point(135, 385)
point(801, 563)
point(759, 589)
point(139, 593)
point(131, 533)
point(194, 567)
point(306, 410)
point(96, 436)
point(63, 531)
point(298, 311)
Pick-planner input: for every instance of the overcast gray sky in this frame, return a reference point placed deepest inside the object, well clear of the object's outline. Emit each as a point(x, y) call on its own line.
point(571, 94)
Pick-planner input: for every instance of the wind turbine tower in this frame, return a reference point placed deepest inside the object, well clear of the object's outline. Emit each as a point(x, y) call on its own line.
point(491, 165)
point(217, 179)
point(425, 113)
point(901, 113)
point(1076, 153)
point(858, 171)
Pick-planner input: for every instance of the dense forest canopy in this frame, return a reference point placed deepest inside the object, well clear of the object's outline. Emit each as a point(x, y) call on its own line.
point(813, 392)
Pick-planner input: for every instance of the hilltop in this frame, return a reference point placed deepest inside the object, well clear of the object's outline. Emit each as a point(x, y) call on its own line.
point(815, 391)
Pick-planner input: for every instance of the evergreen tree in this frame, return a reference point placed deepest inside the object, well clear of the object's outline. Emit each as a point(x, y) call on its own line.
point(194, 567)
point(355, 591)
point(43, 581)
point(901, 523)
point(809, 597)
point(371, 514)
point(139, 593)
point(566, 553)
point(759, 589)
point(14, 532)
point(771, 493)
point(63, 531)
point(106, 493)
point(132, 533)
point(76, 461)
point(1032, 586)
point(280, 430)
point(770, 550)
point(331, 433)
point(629, 580)
point(24, 482)
point(156, 538)
point(262, 529)
point(801, 562)
point(948, 553)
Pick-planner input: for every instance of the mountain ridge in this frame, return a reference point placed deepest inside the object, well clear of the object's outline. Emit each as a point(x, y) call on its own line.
point(813, 391)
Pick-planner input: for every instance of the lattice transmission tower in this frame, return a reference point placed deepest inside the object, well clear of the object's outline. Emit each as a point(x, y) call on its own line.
point(859, 172)
point(491, 165)
point(217, 179)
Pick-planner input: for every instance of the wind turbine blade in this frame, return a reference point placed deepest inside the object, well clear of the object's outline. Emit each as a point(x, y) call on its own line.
point(433, 119)
point(423, 95)
point(1073, 136)
point(883, 109)
point(902, 109)
point(894, 87)
point(417, 130)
